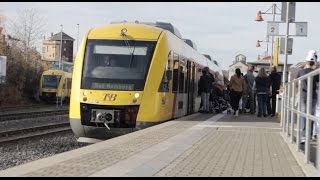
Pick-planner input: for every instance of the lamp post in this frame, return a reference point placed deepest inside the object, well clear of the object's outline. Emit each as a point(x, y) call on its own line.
point(60, 65)
point(259, 18)
point(284, 77)
point(78, 38)
point(267, 41)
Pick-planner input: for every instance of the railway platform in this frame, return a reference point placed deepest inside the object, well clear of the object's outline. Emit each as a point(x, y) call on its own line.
point(199, 145)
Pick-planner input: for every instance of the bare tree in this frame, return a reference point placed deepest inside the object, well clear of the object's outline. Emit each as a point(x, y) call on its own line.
point(22, 36)
point(29, 28)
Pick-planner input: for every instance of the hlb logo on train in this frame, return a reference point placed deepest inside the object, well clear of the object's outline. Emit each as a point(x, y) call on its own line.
point(110, 97)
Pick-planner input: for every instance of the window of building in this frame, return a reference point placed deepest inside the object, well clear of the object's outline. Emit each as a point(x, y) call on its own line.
point(65, 42)
point(64, 49)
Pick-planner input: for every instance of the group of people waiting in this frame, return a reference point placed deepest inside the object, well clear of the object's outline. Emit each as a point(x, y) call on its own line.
point(249, 87)
point(263, 87)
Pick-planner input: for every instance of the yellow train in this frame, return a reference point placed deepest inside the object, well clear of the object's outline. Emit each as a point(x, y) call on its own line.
point(55, 83)
point(129, 76)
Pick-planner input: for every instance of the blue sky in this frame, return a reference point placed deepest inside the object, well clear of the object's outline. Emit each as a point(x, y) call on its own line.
point(221, 29)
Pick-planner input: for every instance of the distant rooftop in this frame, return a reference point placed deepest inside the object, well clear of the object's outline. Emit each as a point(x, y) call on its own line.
point(57, 37)
point(263, 60)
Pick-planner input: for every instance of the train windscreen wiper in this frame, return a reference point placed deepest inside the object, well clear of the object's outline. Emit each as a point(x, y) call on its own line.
point(131, 53)
point(123, 34)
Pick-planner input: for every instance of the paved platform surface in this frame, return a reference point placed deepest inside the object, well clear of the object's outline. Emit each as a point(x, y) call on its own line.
point(197, 145)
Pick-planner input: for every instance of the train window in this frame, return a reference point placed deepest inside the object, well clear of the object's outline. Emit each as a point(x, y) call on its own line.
point(175, 78)
point(166, 77)
point(116, 64)
point(68, 83)
point(164, 84)
point(198, 75)
point(181, 79)
point(186, 83)
point(50, 81)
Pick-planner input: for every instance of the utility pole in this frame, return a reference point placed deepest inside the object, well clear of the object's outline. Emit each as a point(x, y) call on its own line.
point(274, 8)
point(284, 77)
point(78, 38)
point(60, 62)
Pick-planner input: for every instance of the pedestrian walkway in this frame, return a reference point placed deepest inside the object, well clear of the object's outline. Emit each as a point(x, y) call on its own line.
point(197, 145)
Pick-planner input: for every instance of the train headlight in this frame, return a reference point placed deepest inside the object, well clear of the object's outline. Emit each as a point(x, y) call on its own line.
point(136, 95)
point(85, 93)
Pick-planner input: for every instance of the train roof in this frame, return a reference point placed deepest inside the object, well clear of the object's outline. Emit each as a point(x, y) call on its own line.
point(190, 43)
point(208, 56)
point(55, 71)
point(138, 30)
point(135, 31)
point(215, 62)
point(161, 25)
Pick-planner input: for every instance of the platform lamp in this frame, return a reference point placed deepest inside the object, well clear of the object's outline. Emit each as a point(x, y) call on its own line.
point(259, 18)
point(266, 41)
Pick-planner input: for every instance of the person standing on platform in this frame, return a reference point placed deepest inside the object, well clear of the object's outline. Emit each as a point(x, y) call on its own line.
point(262, 86)
point(237, 87)
point(205, 86)
point(249, 77)
point(275, 79)
point(309, 66)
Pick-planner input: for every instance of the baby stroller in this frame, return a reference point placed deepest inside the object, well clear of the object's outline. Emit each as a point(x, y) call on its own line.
point(217, 102)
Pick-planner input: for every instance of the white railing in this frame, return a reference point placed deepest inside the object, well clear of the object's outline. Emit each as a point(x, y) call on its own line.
point(292, 112)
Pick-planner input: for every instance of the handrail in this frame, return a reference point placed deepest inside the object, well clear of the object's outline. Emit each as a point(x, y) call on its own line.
point(292, 114)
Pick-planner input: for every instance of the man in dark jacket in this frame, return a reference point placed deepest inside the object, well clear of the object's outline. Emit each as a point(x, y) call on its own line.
point(205, 86)
point(275, 78)
point(212, 79)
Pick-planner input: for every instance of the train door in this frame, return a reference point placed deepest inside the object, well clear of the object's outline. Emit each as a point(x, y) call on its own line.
point(178, 87)
point(197, 75)
point(190, 87)
point(193, 86)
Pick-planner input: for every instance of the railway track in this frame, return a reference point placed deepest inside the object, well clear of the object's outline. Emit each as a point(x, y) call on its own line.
point(32, 114)
point(23, 133)
point(12, 108)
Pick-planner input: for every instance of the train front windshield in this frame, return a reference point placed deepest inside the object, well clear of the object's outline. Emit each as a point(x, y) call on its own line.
point(116, 64)
point(50, 81)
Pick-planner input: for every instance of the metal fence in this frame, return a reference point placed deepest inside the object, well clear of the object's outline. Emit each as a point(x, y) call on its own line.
point(294, 110)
